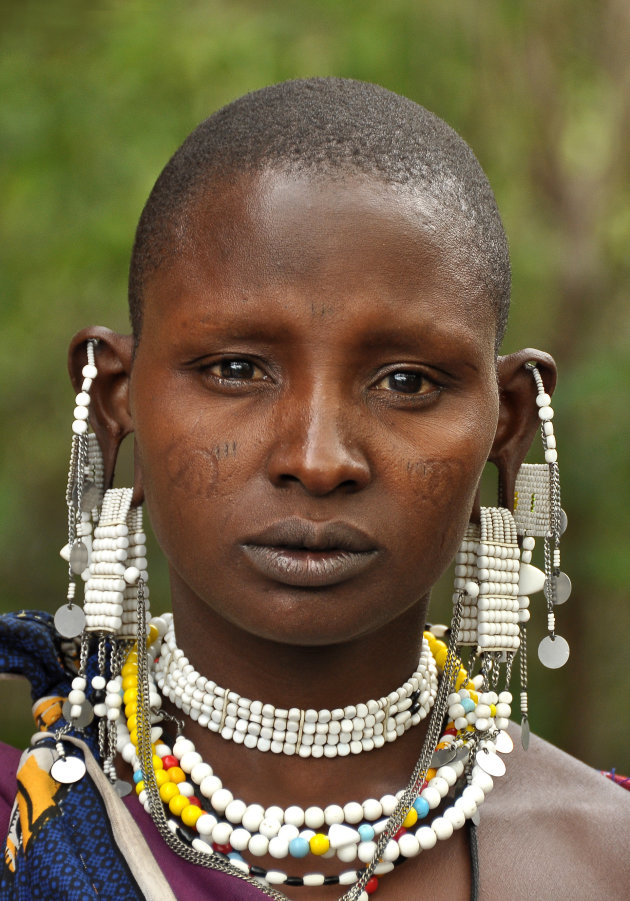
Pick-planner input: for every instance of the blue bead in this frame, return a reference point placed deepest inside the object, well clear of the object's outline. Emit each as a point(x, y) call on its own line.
point(468, 704)
point(366, 832)
point(299, 847)
point(421, 807)
point(137, 776)
point(234, 855)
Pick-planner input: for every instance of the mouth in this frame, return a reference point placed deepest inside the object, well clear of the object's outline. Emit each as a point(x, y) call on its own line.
point(305, 554)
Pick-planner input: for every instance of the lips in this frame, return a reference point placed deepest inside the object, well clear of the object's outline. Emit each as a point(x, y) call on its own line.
point(310, 555)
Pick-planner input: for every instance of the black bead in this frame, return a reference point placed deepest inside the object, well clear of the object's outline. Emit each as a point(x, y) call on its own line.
point(257, 871)
point(331, 880)
point(294, 880)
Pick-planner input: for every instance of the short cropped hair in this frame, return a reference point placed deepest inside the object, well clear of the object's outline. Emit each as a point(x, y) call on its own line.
point(333, 127)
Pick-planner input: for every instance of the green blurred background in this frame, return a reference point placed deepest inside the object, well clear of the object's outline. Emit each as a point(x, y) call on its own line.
point(95, 97)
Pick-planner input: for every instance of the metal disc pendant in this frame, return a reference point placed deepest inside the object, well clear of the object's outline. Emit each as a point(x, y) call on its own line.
point(503, 743)
point(553, 652)
point(90, 496)
point(462, 753)
point(83, 720)
point(564, 522)
point(563, 587)
point(442, 757)
point(525, 733)
point(70, 620)
point(68, 770)
point(122, 788)
point(490, 763)
point(78, 557)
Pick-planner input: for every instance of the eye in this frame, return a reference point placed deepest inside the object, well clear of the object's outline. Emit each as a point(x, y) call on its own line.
point(407, 381)
point(235, 369)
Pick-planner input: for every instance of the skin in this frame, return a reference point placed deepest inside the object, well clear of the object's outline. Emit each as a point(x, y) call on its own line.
point(315, 355)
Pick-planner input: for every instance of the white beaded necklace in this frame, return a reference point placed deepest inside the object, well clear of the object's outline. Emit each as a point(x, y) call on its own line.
point(228, 825)
point(308, 733)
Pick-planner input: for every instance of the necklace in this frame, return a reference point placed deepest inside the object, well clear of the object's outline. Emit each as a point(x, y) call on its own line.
point(307, 733)
point(380, 833)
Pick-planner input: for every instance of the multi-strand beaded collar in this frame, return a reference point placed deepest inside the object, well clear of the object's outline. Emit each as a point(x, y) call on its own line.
point(206, 823)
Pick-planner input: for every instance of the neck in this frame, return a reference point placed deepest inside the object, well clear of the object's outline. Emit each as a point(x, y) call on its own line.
point(288, 675)
point(370, 666)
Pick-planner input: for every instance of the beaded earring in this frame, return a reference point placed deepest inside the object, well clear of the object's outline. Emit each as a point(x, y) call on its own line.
point(538, 514)
point(107, 549)
point(494, 587)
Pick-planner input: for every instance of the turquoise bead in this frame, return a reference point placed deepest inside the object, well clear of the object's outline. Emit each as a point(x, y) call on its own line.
point(366, 832)
point(468, 704)
point(299, 847)
point(234, 855)
point(421, 807)
point(137, 776)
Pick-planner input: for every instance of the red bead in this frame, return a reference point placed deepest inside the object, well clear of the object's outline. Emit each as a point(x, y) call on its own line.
point(371, 885)
point(169, 760)
point(400, 832)
point(451, 731)
point(222, 849)
point(194, 801)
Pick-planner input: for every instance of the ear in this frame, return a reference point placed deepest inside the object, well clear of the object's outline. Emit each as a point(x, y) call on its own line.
point(518, 414)
point(110, 416)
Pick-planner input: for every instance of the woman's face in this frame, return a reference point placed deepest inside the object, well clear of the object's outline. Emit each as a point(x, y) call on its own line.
point(314, 397)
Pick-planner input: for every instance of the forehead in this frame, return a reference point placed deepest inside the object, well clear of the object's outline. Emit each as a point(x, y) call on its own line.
point(272, 237)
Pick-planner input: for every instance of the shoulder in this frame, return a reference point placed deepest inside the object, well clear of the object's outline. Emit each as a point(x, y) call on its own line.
point(561, 827)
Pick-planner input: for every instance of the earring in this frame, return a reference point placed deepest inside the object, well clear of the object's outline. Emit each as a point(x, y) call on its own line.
point(107, 549)
point(538, 513)
point(494, 579)
point(83, 492)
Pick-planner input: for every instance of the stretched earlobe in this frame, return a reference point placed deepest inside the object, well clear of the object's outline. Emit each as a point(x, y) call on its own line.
point(110, 415)
point(518, 415)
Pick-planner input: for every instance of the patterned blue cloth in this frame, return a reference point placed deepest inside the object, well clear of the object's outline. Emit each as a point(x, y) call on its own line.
point(60, 844)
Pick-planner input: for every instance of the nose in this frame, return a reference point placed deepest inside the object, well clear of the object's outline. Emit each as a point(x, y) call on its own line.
point(319, 446)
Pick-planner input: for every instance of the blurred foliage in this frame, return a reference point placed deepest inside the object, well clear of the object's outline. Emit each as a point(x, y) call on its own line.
point(95, 97)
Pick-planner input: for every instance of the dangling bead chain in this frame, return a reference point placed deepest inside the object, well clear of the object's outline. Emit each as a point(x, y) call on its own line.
point(218, 825)
point(308, 733)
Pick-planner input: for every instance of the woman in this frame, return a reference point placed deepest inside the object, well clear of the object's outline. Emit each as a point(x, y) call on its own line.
point(318, 289)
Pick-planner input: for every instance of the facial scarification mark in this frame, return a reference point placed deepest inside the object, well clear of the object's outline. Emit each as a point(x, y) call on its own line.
point(196, 470)
point(321, 309)
point(441, 468)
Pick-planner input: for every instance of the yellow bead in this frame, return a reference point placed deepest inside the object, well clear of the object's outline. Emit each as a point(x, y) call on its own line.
point(168, 791)
point(157, 762)
point(469, 729)
point(176, 774)
point(130, 709)
point(493, 710)
point(139, 787)
point(161, 777)
point(440, 657)
point(462, 676)
point(474, 696)
point(133, 737)
point(130, 696)
point(411, 819)
point(177, 804)
point(191, 814)
point(431, 773)
point(319, 844)
point(129, 682)
point(152, 636)
point(129, 669)
point(132, 721)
